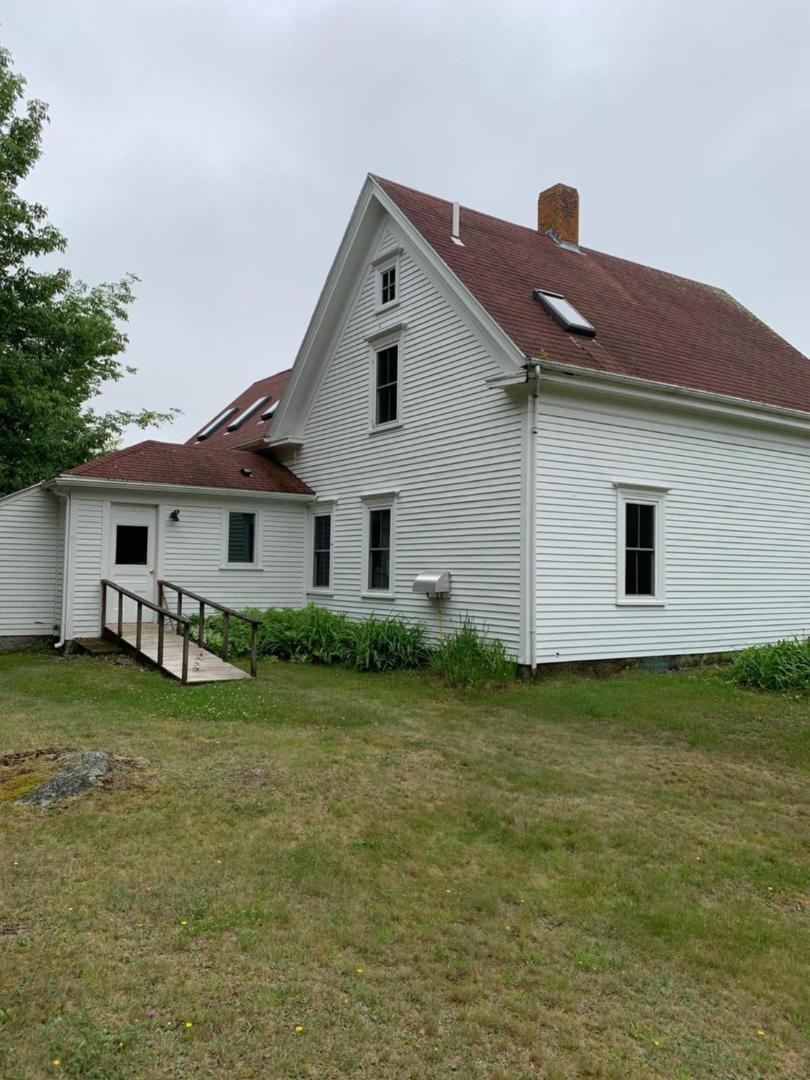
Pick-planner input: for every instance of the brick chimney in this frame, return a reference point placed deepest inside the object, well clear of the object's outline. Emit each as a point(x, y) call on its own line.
point(558, 211)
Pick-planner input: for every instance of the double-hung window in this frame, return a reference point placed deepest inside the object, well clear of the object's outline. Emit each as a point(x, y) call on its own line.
point(387, 280)
point(321, 551)
point(388, 285)
point(379, 548)
point(640, 562)
point(386, 385)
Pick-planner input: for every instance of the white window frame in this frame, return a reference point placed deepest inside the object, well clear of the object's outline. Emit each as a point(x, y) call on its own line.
point(386, 261)
point(257, 539)
point(321, 508)
point(650, 495)
point(393, 335)
point(384, 500)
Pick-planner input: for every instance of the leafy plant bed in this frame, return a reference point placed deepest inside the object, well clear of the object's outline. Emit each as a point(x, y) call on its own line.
point(465, 658)
point(783, 666)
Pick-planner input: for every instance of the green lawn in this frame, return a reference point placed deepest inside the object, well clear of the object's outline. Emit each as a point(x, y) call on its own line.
point(334, 874)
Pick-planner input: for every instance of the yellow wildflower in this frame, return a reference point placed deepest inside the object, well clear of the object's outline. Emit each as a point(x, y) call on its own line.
point(298, 1029)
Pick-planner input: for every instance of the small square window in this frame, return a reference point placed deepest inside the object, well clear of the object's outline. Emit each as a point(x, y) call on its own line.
point(387, 375)
point(131, 545)
point(388, 285)
point(241, 538)
point(322, 551)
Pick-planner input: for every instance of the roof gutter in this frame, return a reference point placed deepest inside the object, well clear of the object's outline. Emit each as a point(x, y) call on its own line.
point(67, 482)
point(557, 374)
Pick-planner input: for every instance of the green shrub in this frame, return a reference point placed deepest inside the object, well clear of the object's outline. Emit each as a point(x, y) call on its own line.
point(469, 658)
point(784, 666)
point(317, 635)
point(386, 644)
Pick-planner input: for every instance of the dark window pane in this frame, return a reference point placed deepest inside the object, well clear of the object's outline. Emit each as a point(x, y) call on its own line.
point(646, 526)
point(322, 544)
point(630, 577)
point(387, 366)
point(241, 537)
point(323, 531)
point(320, 576)
point(131, 545)
point(378, 570)
point(387, 404)
point(632, 524)
point(380, 521)
point(644, 573)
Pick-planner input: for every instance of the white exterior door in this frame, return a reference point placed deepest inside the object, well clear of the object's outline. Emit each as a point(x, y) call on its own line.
point(132, 558)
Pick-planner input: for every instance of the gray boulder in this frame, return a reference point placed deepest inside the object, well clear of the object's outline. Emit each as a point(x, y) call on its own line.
point(84, 771)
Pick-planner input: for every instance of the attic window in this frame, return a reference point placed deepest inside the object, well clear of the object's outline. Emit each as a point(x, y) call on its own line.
point(209, 429)
point(565, 313)
point(249, 411)
point(269, 412)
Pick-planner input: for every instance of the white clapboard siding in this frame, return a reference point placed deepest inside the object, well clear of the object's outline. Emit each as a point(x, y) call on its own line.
point(86, 568)
point(455, 462)
point(737, 531)
point(191, 552)
point(30, 563)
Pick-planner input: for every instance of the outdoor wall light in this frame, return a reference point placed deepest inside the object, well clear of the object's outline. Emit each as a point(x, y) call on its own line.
point(174, 515)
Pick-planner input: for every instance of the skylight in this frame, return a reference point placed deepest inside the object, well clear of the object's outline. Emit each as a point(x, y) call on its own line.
point(209, 429)
point(565, 313)
point(269, 412)
point(249, 411)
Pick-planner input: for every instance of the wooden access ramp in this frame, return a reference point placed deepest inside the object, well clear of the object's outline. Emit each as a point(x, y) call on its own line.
point(203, 665)
point(164, 638)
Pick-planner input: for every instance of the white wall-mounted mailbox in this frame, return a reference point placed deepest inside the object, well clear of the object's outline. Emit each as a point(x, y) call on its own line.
point(433, 585)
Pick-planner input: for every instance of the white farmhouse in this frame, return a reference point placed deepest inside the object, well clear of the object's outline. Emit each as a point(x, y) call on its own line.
point(589, 457)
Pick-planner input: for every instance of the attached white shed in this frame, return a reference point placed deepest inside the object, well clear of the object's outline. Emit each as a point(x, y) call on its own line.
point(31, 566)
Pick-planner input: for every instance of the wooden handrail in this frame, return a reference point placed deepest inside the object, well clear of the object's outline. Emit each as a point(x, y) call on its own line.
point(142, 600)
point(162, 612)
point(183, 591)
point(227, 614)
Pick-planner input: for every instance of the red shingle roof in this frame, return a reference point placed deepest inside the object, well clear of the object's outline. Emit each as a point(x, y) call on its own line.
point(254, 428)
point(649, 324)
point(172, 463)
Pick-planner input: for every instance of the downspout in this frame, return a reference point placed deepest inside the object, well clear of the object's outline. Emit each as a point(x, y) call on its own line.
point(533, 376)
point(65, 562)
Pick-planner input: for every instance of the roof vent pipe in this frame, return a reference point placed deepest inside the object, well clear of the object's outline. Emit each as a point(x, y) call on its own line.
point(456, 234)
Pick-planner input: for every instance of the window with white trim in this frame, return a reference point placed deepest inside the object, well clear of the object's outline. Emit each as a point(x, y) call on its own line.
point(388, 285)
point(321, 551)
point(640, 561)
point(387, 280)
point(379, 548)
point(241, 538)
point(386, 385)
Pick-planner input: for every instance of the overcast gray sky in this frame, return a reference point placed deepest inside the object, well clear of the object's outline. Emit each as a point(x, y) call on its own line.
point(215, 148)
